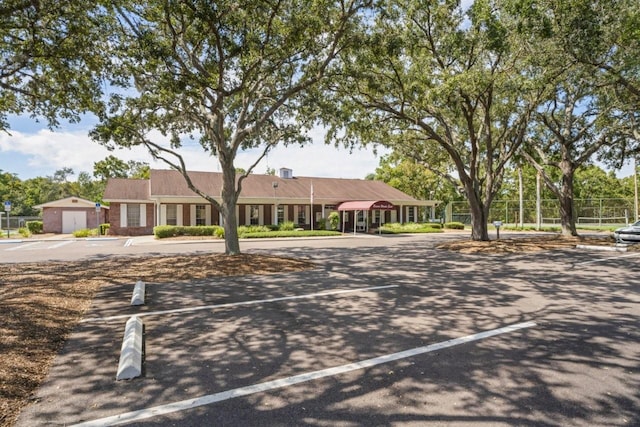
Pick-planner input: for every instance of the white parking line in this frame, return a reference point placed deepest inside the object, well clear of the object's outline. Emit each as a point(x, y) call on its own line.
point(234, 304)
point(26, 245)
point(183, 405)
point(129, 242)
point(59, 245)
point(595, 261)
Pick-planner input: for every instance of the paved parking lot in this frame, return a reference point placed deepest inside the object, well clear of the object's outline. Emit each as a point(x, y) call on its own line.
point(386, 331)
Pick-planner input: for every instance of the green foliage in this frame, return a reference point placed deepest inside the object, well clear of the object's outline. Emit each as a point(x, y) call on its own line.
point(85, 232)
point(35, 227)
point(112, 167)
point(104, 229)
point(51, 59)
point(454, 225)
point(414, 179)
point(24, 232)
point(534, 228)
point(291, 233)
point(396, 228)
point(287, 226)
point(247, 229)
point(251, 67)
point(322, 224)
point(164, 231)
point(334, 220)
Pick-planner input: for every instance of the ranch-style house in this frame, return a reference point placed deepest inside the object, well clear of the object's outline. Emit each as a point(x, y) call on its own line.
point(137, 205)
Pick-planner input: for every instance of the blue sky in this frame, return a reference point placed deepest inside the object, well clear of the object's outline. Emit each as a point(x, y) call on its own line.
point(30, 149)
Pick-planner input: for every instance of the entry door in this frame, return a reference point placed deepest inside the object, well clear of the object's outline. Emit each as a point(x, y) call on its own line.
point(73, 220)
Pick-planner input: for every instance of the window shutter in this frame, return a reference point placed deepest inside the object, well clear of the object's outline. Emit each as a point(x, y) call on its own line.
point(163, 214)
point(247, 215)
point(307, 215)
point(207, 212)
point(192, 215)
point(143, 215)
point(123, 215)
point(261, 215)
point(179, 215)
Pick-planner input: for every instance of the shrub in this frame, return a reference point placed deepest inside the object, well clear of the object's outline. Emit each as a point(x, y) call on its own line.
point(334, 220)
point(322, 224)
point(454, 225)
point(85, 232)
point(247, 229)
point(291, 233)
point(35, 227)
point(104, 229)
point(410, 227)
point(24, 232)
point(287, 226)
point(164, 231)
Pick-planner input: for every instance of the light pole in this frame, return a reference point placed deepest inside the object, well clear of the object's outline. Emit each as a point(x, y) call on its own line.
point(275, 203)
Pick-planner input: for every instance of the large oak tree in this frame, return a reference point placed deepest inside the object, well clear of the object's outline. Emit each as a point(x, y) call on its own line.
point(231, 75)
point(446, 87)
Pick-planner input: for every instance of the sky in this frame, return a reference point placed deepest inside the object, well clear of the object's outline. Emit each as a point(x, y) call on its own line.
point(30, 149)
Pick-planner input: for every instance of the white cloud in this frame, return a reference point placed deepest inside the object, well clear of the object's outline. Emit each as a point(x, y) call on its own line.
point(49, 151)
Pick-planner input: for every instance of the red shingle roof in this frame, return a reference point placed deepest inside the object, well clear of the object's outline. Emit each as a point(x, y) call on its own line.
point(170, 183)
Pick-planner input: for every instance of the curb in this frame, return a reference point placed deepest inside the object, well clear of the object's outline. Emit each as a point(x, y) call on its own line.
point(130, 364)
point(138, 293)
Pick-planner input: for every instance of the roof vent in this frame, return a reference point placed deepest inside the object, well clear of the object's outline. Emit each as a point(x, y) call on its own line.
point(286, 173)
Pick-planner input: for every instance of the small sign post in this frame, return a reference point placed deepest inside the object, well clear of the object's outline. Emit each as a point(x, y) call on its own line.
point(7, 208)
point(497, 225)
point(98, 219)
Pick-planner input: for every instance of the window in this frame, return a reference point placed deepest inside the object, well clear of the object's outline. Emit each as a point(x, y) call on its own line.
point(376, 216)
point(201, 215)
point(280, 214)
point(302, 219)
point(254, 215)
point(172, 215)
point(411, 216)
point(133, 215)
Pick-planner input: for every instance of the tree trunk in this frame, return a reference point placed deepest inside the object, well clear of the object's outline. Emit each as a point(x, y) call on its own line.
point(479, 215)
point(567, 216)
point(228, 211)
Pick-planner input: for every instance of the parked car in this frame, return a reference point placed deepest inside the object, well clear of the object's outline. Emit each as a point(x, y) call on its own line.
point(629, 234)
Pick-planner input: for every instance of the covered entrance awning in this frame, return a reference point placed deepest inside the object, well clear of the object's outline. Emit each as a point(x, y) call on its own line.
point(366, 205)
point(363, 205)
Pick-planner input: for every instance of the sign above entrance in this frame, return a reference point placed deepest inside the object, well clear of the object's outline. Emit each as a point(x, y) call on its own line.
point(366, 205)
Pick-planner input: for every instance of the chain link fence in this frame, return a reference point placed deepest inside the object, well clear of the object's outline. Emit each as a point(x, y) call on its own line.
point(15, 222)
point(602, 211)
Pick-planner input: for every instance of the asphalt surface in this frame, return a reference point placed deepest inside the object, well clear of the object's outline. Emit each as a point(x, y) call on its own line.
point(576, 364)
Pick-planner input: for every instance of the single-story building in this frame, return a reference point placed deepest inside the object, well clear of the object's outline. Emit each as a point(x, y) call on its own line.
point(70, 214)
point(137, 205)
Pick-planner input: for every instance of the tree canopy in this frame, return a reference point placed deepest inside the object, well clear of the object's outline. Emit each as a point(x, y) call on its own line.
point(49, 64)
point(231, 76)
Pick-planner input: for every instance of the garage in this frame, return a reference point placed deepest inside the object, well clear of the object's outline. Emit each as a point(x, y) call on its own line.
point(71, 214)
point(73, 220)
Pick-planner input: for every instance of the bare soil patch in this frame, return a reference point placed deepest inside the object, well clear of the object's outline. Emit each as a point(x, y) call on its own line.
point(40, 304)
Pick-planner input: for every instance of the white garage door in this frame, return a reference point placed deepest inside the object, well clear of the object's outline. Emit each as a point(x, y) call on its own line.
point(73, 220)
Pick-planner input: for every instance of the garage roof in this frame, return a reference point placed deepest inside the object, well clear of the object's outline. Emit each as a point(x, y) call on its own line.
point(69, 202)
